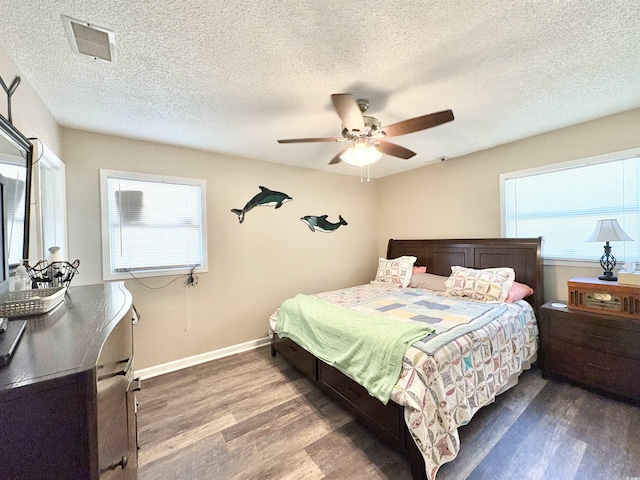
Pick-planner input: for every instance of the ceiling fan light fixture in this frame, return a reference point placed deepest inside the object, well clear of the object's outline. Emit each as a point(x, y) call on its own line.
point(361, 155)
point(368, 139)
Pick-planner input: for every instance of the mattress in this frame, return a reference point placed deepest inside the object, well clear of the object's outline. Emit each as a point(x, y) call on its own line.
point(475, 351)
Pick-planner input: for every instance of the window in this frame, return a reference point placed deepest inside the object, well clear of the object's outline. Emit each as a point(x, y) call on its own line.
point(563, 202)
point(51, 211)
point(14, 174)
point(152, 225)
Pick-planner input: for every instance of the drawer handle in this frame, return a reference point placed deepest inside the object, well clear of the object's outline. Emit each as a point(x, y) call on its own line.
point(135, 317)
point(601, 367)
point(122, 372)
point(136, 385)
point(292, 348)
point(122, 464)
point(599, 337)
point(354, 391)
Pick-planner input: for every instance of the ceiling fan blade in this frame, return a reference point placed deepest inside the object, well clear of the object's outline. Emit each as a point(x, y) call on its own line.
point(337, 159)
point(394, 150)
point(312, 140)
point(348, 111)
point(418, 123)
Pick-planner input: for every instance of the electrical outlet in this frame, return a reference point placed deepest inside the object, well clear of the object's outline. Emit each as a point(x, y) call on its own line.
point(191, 281)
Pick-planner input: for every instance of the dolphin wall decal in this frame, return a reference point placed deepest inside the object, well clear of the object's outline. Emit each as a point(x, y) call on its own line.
point(266, 198)
point(321, 223)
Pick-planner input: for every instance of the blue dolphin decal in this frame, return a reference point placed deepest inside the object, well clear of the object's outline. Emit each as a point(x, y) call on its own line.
point(321, 224)
point(266, 198)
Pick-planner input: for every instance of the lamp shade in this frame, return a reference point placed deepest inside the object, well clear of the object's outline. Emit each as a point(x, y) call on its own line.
point(361, 155)
point(608, 231)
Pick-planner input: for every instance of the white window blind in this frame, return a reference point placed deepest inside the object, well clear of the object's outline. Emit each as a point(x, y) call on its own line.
point(15, 180)
point(563, 206)
point(154, 225)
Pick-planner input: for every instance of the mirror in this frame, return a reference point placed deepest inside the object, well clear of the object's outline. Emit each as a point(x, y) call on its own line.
point(15, 166)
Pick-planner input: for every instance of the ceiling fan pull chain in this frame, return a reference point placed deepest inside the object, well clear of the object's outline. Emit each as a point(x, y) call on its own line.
point(361, 179)
point(368, 178)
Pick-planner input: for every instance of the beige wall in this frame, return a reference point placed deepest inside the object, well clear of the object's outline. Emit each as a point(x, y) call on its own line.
point(32, 118)
point(30, 115)
point(253, 266)
point(460, 198)
point(273, 253)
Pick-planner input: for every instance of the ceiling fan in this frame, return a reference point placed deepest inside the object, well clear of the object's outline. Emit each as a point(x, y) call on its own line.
point(366, 137)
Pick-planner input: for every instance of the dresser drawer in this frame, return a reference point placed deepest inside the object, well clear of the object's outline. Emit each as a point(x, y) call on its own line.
point(387, 420)
point(610, 372)
point(604, 335)
point(298, 356)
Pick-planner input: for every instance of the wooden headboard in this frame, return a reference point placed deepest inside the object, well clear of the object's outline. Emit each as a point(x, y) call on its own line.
point(521, 254)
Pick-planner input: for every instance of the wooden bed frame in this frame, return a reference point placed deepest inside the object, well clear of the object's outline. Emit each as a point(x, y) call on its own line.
point(387, 421)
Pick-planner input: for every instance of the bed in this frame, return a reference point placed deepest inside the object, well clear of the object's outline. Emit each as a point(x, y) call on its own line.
point(423, 423)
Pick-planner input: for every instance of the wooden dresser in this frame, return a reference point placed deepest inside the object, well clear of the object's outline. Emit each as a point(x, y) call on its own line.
point(595, 349)
point(67, 406)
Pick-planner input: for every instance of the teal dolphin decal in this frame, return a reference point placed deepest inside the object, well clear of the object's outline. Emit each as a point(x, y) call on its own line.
point(266, 198)
point(321, 224)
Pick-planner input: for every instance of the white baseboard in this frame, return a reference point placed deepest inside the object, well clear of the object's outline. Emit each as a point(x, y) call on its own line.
point(201, 358)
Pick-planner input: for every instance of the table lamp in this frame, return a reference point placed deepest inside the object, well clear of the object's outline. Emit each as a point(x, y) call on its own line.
point(608, 231)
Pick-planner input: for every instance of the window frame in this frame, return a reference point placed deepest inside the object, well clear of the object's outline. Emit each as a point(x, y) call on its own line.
point(48, 160)
point(108, 273)
point(603, 158)
point(15, 218)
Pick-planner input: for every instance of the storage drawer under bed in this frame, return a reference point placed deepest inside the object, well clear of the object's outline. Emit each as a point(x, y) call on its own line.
point(387, 421)
point(375, 414)
point(298, 356)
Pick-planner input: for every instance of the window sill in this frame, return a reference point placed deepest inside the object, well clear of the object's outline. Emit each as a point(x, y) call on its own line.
point(558, 262)
point(110, 277)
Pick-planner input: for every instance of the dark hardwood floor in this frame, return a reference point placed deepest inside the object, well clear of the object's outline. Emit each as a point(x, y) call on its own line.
point(251, 416)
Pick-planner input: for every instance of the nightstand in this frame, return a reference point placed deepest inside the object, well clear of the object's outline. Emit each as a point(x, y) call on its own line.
point(595, 349)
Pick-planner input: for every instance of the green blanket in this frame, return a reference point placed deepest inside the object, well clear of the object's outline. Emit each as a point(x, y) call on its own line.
point(367, 348)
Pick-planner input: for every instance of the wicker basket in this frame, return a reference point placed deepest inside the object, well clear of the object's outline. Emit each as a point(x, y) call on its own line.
point(31, 302)
point(49, 275)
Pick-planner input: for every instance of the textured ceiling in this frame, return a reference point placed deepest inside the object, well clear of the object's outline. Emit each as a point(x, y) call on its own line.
point(234, 76)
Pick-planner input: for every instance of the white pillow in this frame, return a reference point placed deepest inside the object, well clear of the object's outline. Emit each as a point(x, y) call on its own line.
point(488, 285)
point(396, 270)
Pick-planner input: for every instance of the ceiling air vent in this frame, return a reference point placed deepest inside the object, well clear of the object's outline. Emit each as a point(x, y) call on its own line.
point(88, 39)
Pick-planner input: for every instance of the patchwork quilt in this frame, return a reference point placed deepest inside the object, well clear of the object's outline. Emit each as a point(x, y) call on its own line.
point(448, 375)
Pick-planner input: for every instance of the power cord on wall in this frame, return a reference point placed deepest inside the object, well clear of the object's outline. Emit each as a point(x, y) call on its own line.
point(40, 150)
point(191, 281)
point(149, 287)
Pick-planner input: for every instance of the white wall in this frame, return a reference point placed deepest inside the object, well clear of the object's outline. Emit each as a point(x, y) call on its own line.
point(253, 266)
point(460, 198)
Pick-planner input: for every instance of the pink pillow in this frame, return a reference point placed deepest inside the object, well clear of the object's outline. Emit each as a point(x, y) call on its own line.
point(518, 291)
point(417, 270)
